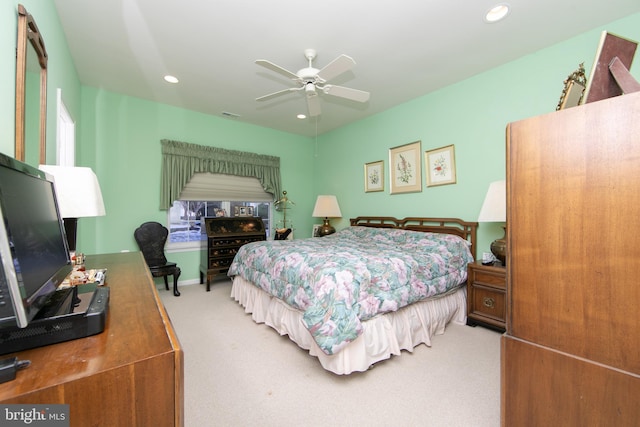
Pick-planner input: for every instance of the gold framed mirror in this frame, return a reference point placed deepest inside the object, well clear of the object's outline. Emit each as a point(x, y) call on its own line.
point(574, 89)
point(31, 91)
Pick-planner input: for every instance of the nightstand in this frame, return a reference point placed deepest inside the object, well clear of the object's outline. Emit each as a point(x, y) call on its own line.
point(486, 295)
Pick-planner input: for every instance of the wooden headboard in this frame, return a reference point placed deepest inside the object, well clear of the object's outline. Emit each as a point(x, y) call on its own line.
point(464, 229)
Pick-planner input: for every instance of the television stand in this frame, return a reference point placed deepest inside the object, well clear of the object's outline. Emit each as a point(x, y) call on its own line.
point(88, 318)
point(132, 374)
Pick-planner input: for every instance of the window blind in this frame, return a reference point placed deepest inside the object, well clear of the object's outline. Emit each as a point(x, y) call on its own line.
point(212, 186)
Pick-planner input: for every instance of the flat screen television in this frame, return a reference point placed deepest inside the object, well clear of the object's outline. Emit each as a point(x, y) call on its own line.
point(33, 246)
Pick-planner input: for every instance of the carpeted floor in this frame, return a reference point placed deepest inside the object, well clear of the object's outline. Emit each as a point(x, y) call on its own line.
point(239, 373)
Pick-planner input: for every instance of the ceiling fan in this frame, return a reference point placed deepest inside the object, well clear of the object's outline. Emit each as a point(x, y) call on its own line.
point(311, 81)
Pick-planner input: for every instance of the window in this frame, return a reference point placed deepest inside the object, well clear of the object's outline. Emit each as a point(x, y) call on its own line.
point(208, 195)
point(66, 134)
point(185, 218)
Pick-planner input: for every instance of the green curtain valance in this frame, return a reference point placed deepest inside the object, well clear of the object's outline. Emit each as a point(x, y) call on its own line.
point(180, 160)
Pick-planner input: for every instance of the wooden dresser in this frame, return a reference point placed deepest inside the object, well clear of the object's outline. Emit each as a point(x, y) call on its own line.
point(224, 237)
point(131, 374)
point(571, 353)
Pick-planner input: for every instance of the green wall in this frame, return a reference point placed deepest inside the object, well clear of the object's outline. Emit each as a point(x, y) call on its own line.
point(472, 115)
point(120, 140)
point(119, 137)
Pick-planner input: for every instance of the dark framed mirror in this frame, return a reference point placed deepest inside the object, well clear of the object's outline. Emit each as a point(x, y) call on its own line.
point(31, 91)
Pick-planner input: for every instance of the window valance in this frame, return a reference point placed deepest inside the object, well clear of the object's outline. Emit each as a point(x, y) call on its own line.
point(180, 160)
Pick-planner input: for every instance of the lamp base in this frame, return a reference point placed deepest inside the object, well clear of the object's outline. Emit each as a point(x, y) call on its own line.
point(499, 247)
point(70, 228)
point(326, 228)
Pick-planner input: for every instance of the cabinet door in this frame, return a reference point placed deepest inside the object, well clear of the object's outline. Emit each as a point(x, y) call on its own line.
point(573, 197)
point(543, 387)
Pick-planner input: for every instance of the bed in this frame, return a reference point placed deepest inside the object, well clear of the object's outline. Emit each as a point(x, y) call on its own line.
point(363, 294)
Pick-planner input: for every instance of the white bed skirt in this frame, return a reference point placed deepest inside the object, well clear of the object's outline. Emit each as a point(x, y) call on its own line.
point(383, 335)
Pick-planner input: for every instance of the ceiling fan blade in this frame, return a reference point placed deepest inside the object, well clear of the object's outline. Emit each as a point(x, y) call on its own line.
point(313, 104)
point(275, 94)
point(278, 69)
point(346, 92)
point(340, 65)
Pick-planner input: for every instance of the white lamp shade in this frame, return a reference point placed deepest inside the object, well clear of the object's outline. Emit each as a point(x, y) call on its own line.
point(77, 190)
point(494, 208)
point(327, 207)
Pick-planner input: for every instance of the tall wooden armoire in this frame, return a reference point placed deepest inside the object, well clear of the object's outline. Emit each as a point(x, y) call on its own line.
point(571, 352)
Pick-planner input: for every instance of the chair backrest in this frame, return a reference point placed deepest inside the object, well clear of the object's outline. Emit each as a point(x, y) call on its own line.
point(151, 237)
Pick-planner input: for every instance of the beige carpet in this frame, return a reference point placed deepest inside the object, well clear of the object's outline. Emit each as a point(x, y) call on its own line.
point(239, 373)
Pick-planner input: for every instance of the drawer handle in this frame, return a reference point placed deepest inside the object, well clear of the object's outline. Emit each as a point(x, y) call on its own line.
point(488, 302)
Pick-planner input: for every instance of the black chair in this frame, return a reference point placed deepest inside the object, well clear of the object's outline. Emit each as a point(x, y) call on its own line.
point(151, 238)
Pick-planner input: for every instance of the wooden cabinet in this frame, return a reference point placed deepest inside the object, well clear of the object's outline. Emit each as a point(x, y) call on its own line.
point(131, 374)
point(486, 296)
point(224, 237)
point(571, 353)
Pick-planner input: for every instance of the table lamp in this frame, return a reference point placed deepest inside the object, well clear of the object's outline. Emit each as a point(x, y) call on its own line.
point(326, 207)
point(494, 209)
point(78, 193)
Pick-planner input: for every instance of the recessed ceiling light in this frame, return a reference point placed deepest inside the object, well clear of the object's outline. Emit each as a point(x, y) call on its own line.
point(301, 116)
point(171, 79)
point(497, 13)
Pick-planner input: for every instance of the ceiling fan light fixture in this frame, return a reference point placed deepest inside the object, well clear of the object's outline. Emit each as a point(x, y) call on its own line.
point(497, 13)
point(310, 88)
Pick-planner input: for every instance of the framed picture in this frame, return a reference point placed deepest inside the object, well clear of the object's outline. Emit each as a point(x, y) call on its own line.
point(405, 168)
point(220, 212)
point(441, 166)
point(243, 210)
point(316, 230)
point(374, 176)
point(602, 84)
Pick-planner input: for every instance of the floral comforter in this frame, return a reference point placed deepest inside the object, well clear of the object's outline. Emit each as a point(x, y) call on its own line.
point(341, 280)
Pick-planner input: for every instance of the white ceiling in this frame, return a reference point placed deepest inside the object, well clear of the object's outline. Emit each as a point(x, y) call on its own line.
point(403, 48)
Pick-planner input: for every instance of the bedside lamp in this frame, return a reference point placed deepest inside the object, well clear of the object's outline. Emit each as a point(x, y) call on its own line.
point(327, 207)
point(494, 209)
point(78, 193)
